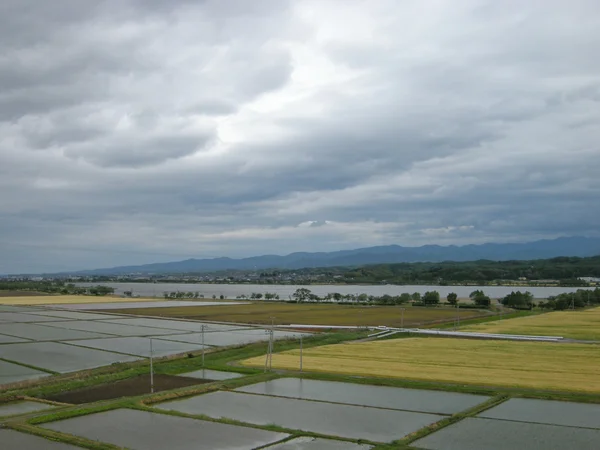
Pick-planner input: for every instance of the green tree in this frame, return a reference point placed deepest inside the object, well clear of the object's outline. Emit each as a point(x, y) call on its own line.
point(101, 290)
point(518, 300)
point(482, 300)
point(431, 298)
point(302, 295)
point(452, 298)
point(405, 297)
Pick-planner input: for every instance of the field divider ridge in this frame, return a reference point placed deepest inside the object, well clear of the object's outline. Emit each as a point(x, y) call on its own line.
point(457, 417)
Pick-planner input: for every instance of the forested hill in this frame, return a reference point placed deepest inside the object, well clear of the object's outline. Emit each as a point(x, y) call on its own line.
point(564, 269)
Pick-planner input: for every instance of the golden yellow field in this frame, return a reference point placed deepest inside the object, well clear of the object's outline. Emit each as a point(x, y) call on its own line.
point(64, 299)
point(583, 324)
point(535, 365)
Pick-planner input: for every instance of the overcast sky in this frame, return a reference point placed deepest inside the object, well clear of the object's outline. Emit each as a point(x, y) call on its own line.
point(135, 131)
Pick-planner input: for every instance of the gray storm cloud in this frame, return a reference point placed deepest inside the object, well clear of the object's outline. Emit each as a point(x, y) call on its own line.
point(136, 131)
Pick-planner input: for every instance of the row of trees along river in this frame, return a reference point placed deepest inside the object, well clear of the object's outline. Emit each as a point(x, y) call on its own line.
point(478, 299)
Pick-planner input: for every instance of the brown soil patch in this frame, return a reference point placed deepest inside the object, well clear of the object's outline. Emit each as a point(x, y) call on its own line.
point(125, 388)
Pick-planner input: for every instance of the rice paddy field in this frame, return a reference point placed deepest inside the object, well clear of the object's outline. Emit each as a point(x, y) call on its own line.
point(530, 365)
point(311, 314)
point(582, 324)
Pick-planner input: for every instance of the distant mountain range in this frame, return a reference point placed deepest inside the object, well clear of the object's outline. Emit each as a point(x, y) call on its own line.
point(564, 246)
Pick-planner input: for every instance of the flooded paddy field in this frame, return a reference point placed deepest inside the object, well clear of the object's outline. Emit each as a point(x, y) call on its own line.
point(569, 414)
point(238, 337)
point(61, 358)
point(15, 440)
point(490, 434)
point(22, 407)
point(114, 329)
point(169, 324)
point(153, 431)
point(308, 443)
point(348, 421)
point(217, 375)
point(11, 373)
point(138, 346)
point(436, 402)
point(523, 423)
point(36, 341)
point(37, 332)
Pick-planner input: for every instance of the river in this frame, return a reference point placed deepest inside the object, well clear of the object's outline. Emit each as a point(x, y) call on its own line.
point(285, 291)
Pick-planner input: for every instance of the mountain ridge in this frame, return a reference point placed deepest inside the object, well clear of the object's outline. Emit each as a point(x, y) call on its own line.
point(384, 254)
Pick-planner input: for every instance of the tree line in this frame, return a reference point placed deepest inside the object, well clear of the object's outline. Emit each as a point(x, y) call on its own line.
point(479, 299)
point(54, 287)
point(563, 270)
point(429, 298)
point(572, 300)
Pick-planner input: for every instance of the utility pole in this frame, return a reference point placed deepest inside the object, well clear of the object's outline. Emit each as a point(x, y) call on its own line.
point(151, 369)
point(272, 342)
point(202, 327)
point(300, 353)
point(268, 351)
point(457, 317)
point(402, 317)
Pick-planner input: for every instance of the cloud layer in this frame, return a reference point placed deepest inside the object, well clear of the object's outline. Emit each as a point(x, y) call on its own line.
point(134, 131)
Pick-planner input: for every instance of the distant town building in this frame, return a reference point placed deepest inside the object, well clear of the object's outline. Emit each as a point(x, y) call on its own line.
point(594, 280)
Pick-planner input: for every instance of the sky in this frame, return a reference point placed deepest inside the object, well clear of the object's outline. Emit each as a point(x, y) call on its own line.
point(138, 131)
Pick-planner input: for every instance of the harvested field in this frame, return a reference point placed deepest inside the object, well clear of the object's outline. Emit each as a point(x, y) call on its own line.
point(37, 299)
point(534, 365)
point(583, 325)
point(125, 388)
point(314, 314)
